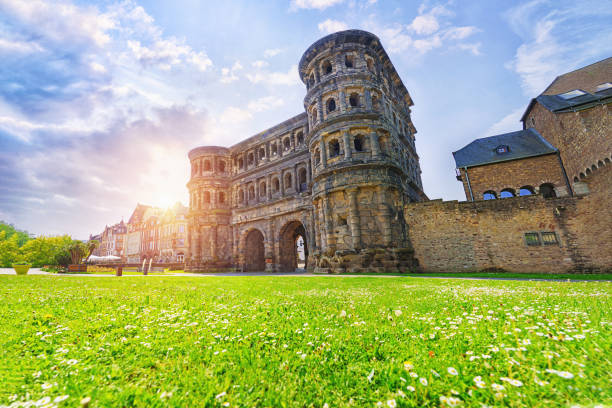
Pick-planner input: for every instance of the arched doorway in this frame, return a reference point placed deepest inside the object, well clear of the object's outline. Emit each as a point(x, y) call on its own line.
point(293, 247)
point(254, 260)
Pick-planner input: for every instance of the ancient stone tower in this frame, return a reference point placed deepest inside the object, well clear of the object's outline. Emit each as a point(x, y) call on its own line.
point(324, 189)
point(364, 161)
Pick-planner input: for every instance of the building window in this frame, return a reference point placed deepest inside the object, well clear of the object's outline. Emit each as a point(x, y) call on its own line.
point(313, 114)
point(489, 195)
point(349, 61)
point(251, 159)
point(311, 81)
point(532, 238)
point(317, 156)
point(549, 238)
point(300, 138)
point(221, 167)
point(331, 105)
point(548, 190)
point(276, 185)
point(251, 193)
point(502, 149)
point(354, 100)
point(287, 180)
point(334, 148)
point(274, 149)
point(207, 166)
point(262, 189)
point(240, 163)
point(526, 190)
point(302, 179)
point(507, 193)
point(287, 143)
point(370, 65)
point(221, 197)
point(327, 68)
point(262, 153)
point(359, 143)
point(207, 197)
point(241, 196)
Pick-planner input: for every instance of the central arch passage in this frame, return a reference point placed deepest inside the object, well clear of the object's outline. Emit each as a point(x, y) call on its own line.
point(293, 247)
point(254, 260)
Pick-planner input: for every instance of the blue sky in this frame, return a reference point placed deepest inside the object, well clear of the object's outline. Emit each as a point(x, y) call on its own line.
point(101, 101)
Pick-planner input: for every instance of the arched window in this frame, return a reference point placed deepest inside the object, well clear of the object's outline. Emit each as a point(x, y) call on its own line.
point(221, 197)
point(548, 190)
point(576, 179)
point(507, 193)
point(275, 185)
point(317, 156)
point(300, 138)
point(327, 67)
point(334, 148)
point(221, 167)
point(287, 143)
point(489, 195)
point(302, 179)
point(251, 193)
point(349, 61)
point(526, 190)
point(354, 99)
point(195, 168)
point(262, 189)
point(241, 163)
point(207, 166)
point(274, 149)
point(288, 180)
point(262, 152)
point(251, 159)
point(207, 197)
point(331, 105)
point(359, 143)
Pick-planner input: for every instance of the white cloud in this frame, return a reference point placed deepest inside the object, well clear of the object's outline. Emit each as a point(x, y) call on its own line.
point(460, 33)
point(166, 53)
point(288, 78)
point(272, 52)
point(17, 46)
point(331, 26)
point(260, 64)
point(233, 114)
point(555, 42)
point(97, 67)
point(229, 75)
point(265, 103)
point(474, 48)
point(424, 25)
point(314, 4)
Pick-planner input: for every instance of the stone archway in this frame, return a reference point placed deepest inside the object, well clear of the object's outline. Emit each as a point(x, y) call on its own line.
point(290, 254)
point(254, 260)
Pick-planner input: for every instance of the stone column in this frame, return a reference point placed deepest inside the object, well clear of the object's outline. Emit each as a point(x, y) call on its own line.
point(213, 242)
point(269, 186)
point(282, 183)
point(295, 179)
point(383, 101)
point(346, 139)
point(317, 75)
point(256, 190)
point(213, 198)
point(342, 100)
point(368, 99)
point(323, 153)
point(385, 215)
point(329, 225)
point(319, 225)
point(308, 173)
point(188, 246)
point(269, 247)
point(354, 220)
point(320, 107)
point(339, 63)
point(375, 144)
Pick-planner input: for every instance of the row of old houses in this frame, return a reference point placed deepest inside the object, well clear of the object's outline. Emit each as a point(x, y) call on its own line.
point(151, 233)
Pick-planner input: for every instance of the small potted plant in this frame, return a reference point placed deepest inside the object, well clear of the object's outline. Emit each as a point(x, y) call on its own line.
point(21, 267)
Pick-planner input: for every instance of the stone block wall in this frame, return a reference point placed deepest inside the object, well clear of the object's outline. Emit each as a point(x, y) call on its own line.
point(531, 171)
point(466, 236)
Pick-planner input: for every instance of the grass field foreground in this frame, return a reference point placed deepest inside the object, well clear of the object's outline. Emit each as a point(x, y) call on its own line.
point(303, 341)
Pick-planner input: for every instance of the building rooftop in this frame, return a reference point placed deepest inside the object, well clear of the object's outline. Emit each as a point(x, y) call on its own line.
point(505, 147)
point(585, 78)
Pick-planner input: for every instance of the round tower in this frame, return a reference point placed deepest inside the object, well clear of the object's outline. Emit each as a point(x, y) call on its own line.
point(209, 232)
point(364, 162)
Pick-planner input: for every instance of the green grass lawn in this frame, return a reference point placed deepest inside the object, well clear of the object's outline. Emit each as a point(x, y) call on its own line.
point(303, 341)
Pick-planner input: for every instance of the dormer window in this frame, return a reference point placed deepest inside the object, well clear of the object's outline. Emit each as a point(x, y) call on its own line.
point(502, 149)
point(603, 87)
point(572, 94)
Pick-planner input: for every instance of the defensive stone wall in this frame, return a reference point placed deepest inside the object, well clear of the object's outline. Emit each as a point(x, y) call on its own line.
point(467, 236)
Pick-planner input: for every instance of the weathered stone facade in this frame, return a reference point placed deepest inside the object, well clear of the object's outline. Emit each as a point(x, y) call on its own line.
point(338, 175)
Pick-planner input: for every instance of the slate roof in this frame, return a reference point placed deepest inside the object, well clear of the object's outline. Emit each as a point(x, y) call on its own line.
point(522, 144)
point(557, 104)
point(586, 78)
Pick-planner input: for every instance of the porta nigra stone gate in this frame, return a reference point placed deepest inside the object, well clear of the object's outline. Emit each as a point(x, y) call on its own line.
point(330, 183)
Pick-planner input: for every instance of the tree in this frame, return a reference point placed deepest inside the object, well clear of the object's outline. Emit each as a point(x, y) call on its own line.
point(77, 251)
point(91, 246)
point(9, 249)
point(42, 250)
